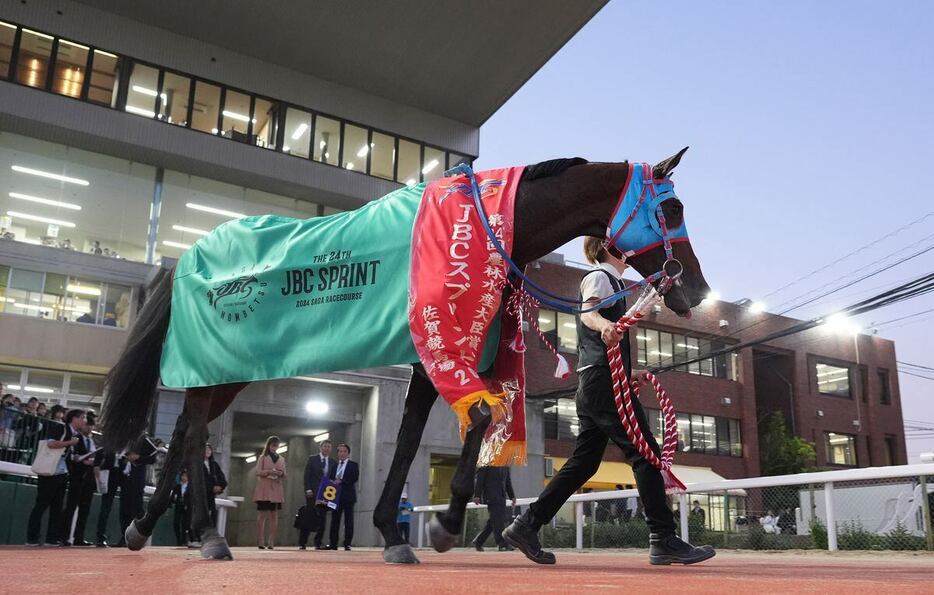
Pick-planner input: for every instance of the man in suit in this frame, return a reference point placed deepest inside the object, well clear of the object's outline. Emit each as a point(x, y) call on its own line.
point(491, 487)
point(113, 464)
point(345, 474)
point(317, 467)
point(81, 482)
point(141, 453)
point(181, 498)
point(51, 488)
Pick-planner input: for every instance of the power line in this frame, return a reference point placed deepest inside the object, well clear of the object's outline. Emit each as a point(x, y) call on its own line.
point(853, 253)
point(914, 365)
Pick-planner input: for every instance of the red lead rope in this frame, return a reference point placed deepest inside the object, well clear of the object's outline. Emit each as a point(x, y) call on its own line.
point(627, 413)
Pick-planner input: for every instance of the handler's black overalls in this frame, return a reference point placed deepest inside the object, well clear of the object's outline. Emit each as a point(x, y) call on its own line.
point(599, 421)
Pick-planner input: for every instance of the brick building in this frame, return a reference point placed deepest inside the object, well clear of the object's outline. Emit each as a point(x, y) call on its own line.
point(835, 389)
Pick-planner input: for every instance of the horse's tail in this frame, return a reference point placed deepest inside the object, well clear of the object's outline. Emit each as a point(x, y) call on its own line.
point(132, 383)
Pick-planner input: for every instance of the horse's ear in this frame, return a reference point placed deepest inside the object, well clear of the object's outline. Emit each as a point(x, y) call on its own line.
point(664, 168)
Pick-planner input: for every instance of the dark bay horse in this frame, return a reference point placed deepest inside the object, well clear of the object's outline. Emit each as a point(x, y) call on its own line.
point(556, 201)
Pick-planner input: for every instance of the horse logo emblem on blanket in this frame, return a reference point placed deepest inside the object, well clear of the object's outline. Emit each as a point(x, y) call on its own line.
point(232, 298)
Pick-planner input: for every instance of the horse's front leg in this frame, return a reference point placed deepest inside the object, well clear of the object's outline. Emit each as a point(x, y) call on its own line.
point(418, 401)
point(198, 405)
point(139, 531)
point(446, 526)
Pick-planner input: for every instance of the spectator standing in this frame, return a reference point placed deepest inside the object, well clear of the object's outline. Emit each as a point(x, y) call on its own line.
point(699, 513)
point(111, 464)
point(269, 493)
point(345, 474)
point(404, 520)
point(57, 413)
point(50, 494)
point(81, 482)
point(139, 455)
point(181, 500)
point(492, 486)
point(316, 468)
point(215, 481)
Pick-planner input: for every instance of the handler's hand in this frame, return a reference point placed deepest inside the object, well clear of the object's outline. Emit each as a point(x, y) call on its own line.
point(610, 335)
point(476, 500)
point(637, 376)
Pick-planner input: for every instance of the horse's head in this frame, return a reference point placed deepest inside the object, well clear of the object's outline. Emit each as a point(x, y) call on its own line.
point(649, 216)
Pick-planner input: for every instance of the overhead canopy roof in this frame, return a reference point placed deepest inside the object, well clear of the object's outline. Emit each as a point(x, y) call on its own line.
point(461, 60)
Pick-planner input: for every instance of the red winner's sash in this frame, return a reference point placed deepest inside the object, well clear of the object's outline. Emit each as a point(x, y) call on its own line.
point(456, 288)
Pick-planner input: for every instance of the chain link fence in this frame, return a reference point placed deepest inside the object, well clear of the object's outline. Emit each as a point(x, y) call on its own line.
point(870, 509)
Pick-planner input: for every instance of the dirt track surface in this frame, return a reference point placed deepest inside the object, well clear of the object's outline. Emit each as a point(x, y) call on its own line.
point(177, 570)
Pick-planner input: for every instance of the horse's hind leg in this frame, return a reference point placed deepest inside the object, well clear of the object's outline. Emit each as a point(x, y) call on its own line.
point(198, 405)
point(138, 532)
point(418, 401)
point(446, 526)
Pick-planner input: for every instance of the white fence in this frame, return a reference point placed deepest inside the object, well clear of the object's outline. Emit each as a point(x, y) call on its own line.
point(868, 501)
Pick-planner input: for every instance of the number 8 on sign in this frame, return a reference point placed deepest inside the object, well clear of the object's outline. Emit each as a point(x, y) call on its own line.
point(328, 494)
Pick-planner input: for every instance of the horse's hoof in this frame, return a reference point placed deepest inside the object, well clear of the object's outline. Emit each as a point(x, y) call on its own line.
point(214, 547)
point(400, 554)
point(441, 539)
point(134, 539)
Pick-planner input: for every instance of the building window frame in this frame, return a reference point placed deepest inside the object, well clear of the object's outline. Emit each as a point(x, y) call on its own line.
point(815, 362)
point(849, 451)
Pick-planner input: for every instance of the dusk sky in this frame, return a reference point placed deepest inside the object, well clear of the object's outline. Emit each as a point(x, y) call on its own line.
point(811, 134)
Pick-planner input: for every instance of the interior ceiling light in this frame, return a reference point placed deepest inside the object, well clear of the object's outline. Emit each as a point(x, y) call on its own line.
point(236, 116)
point(149, 92)
point(193, 230)
point(84, 290)
point(139, 111)
point(59, 222)
point(232, 214)
point(299, 131)
point(363, 151)
point(45, 201)
point(430, 166)
point(176, 244)
point(50, 175)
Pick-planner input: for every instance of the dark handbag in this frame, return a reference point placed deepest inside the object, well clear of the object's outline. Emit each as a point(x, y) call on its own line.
point(306, 519)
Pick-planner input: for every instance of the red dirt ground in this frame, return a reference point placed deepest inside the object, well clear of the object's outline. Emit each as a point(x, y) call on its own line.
point(175, 570)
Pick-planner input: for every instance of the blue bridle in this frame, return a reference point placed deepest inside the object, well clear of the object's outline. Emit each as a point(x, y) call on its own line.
point(627, 235)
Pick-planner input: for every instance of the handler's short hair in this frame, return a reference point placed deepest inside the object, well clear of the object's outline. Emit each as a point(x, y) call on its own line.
point(593, 250)
point(71, 415)
point(347, 446)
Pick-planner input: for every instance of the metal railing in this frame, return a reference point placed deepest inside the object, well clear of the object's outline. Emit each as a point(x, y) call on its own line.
point(876, 508)
point(20, 433)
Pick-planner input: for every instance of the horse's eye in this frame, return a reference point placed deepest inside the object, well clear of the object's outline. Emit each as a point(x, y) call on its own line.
point(674, 213)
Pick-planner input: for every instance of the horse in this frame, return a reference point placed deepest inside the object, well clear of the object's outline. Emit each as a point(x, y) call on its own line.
point(556, 201)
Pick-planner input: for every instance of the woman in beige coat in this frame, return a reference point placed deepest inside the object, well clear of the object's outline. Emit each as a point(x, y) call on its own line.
point(269, 493)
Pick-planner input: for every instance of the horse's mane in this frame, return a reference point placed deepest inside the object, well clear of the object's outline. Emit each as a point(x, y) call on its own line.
point(552, 167)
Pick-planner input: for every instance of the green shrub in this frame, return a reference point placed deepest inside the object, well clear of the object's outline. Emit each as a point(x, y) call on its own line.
point(900, 538)
point(818, 534)
point(854, 537)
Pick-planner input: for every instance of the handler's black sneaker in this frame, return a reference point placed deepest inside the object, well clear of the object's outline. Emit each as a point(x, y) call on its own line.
point(521, 536)
point(669, 549)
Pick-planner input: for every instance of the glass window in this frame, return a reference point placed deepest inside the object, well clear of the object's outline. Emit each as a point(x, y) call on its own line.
point(356, 148)
point(567, 332)
point(568, 423)
point(105, 75)
point(236, 116)
point(382, 156)
point(700, 437)
point(90, 385)
point(640, 345)
point(116, 305)
point(4, 277)
point(693, 347)
point(833, 380)
point(841, 449)
point(70, 63)
point(651, 343)
point(141, 97)
point(26, 292)
point(175, 91)
point(42, 382)
point(433, 167)
point(53, 295)
point(665, 348)
point(82, 300)
point(103, 208)
point(679, 350)
point(655, 423)
point(7, 37)
point(706, 365)
point(327, 141)
point(265, 123)
point(885, 396)
point(684, 432)
point(206, 107)
point(32, 65)
point(736, 439)
point(456, 159)
point(409, 159)
point(548, 324)
point(297, 132)
point(723, 436)
point(10, 377)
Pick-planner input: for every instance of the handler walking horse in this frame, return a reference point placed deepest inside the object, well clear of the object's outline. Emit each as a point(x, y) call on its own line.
point(556, 201)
